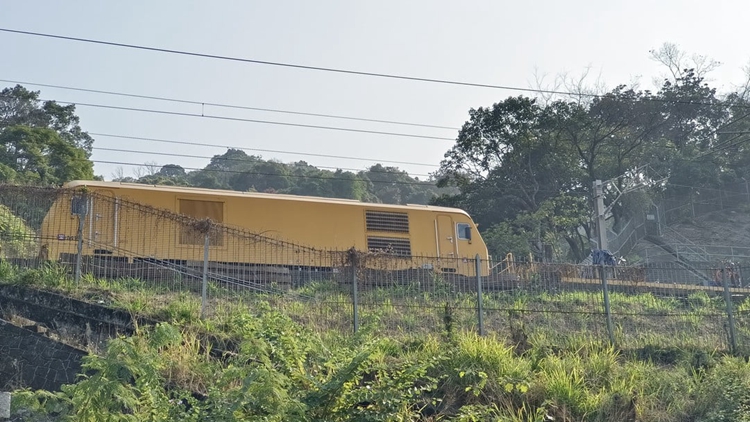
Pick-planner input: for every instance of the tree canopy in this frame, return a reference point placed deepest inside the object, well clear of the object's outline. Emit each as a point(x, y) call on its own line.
point(525, 168)
point(41, 142)
point(236, 170)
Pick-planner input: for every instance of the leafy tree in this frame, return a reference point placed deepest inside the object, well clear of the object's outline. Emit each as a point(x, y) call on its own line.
point(39, 155)
point(19, 106)
point(41, 142)
point(394, 186)
point(206, 179)
point(261, 176)
point(348, 185)
point(512, 161)
point(172, 170)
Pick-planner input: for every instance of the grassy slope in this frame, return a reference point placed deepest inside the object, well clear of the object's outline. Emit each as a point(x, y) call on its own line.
point(413, 357)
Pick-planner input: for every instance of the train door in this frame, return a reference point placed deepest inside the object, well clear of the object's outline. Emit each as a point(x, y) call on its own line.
point(446, 242)
point(103, 222)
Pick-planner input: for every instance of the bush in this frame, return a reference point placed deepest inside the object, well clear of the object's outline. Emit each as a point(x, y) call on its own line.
point(17, 239)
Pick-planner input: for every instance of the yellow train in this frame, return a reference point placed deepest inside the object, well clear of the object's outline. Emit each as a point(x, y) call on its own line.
point(128, 221)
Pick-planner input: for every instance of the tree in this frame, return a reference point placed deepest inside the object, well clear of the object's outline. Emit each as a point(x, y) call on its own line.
point(529, 167)
point(172, 170)
point(19, 106)
point(261, 176)
point(511, 161)
point(41, 142)
point(39, 155)
point(392, 185)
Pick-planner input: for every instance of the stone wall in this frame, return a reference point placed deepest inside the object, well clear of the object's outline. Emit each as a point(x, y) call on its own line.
point(29, 359)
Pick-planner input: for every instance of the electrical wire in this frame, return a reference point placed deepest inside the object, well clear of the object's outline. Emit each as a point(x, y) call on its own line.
point(171, 141)
point(172, 154)
point(255, 173)
point(232, 106)
point(337, 70)
point(279, 64)
point(239, 119)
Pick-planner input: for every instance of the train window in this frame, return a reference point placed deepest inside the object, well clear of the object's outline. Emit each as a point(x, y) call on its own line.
point(464, 231)
point(79, 205)
point(201, 210)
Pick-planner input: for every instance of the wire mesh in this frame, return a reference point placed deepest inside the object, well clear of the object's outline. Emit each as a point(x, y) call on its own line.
point(157, 261)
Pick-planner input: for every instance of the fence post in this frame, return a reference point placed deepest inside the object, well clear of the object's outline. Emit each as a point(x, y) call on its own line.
point(730, 312)
point(355, 293)
point(607, 309)
point(79, 250)
point(204, 287)
point(480, 311)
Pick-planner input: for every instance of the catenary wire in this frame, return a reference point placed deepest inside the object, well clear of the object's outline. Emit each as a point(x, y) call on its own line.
point(176, 142)
point(172, 154)
point(340, 71)
point(270, 63)
point(239, 119)
point(423, 183)
point(232, 106)
point(296, 176)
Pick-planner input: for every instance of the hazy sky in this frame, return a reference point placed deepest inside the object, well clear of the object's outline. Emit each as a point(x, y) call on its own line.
point(492, 42)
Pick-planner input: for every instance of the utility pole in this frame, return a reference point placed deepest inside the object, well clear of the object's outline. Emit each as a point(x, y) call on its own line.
point(600, 216)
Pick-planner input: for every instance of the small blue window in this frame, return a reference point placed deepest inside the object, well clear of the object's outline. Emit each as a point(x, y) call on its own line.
point(464, 231)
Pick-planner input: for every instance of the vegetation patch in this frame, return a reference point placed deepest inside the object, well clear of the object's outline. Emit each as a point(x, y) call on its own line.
point(296, 359)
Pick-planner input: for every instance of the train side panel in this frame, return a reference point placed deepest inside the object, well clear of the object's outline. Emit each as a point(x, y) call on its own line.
point(321, 225)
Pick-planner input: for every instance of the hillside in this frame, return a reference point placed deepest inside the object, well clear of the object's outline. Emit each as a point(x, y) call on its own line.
point(236, 170)
point(705, 240)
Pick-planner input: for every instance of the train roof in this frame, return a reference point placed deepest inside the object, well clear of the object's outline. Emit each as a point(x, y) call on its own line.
point(283, 197)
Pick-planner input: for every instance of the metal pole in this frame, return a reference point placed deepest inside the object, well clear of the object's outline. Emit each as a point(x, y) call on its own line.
point(607, 309)
point(355, 293)
point(480, 312)
point(602, 239)
point(730, 312)
point(80, 248)
point(601, 230)
point(204, 288)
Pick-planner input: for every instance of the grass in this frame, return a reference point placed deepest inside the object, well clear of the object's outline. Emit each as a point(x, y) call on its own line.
point(546, 355)
point(545, 319)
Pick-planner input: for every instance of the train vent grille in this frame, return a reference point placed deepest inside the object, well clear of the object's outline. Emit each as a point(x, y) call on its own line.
point(379, 221)
point(392, 245)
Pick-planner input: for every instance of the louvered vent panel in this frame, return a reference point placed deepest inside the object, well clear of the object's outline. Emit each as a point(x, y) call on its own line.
point(394, 245)
point(397, 222)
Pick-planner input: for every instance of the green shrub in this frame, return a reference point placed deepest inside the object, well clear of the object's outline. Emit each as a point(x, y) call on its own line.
point(50, 274)
point(17, 239)
point(723, 392)
point(7, 271)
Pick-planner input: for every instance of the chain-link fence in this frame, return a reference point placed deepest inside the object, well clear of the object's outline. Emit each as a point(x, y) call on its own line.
point(169, 265)
point(680, 204)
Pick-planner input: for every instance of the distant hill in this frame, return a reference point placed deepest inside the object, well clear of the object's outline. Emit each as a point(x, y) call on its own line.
point(236, 170)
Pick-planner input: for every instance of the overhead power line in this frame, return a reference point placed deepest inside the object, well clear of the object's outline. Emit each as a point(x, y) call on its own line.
point(336, 70)
point(279, 64)
point(231, 106)
point(239, 119)
point(172, 154)
point(309, 154)
point(255, 173)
